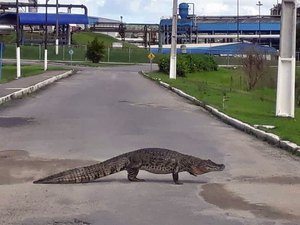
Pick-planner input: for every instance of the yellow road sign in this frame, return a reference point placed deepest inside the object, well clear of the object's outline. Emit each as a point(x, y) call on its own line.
point(151, 56)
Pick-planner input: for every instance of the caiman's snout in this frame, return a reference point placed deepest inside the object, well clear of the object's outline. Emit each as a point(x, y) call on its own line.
point(212, 166)
point(222, 167)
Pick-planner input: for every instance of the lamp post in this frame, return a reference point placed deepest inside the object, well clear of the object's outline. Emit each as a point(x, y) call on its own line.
point(18, 54)
point(46, 38)
point(238, 20)
point(56, 40)
point(259, 4)
point(172, 73)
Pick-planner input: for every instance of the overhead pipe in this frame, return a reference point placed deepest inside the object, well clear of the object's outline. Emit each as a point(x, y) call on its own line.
point(13, 5)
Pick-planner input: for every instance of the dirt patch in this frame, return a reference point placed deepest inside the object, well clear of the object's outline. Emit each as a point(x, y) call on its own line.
point(272, 180)
point(218, 195)
point(17, 166)
point(74, 222)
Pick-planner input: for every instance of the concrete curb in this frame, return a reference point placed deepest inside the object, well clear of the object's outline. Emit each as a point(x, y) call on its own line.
point(34, 88)
point(260, 134)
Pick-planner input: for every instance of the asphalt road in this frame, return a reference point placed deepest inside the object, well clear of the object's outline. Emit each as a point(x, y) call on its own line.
point(102, 112)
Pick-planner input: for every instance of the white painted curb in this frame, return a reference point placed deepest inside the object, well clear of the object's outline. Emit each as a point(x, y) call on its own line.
point(262, 135)
point(33, 88)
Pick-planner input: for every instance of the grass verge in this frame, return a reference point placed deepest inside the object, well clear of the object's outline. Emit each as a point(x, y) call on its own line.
point(252, 107)
point(9, 71)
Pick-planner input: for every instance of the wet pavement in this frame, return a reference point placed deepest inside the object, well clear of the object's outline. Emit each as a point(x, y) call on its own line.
point(103, 112)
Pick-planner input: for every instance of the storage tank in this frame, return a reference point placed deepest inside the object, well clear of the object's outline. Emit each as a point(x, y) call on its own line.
point(183, 10)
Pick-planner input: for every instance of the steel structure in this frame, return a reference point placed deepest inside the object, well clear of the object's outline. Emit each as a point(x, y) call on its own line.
point(148, 31)
point(61, 20)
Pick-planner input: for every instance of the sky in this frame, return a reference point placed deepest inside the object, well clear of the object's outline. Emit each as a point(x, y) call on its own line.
point(151, 11)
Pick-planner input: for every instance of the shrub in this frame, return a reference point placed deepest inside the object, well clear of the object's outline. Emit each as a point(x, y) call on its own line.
point(182, 66)
point(188, 64)
point(164, 64)
point(95, 51)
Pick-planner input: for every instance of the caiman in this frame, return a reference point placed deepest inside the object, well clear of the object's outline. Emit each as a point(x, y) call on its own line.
point(153, 160)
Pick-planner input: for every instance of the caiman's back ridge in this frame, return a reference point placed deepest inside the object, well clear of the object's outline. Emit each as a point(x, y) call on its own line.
point(153, 160)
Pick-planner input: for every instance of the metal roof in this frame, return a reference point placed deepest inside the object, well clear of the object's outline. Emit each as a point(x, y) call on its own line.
point(230, 48)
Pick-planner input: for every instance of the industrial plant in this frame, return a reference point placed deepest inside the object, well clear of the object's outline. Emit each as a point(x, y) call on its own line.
point(200, 34)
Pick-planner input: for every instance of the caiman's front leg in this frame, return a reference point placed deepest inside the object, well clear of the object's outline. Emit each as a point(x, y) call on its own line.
point(175, 175)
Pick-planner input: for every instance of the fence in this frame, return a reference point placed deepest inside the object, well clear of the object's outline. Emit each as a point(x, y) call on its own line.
point(36, 52)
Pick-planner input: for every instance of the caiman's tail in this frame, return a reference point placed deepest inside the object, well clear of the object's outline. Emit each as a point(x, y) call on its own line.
point(87, 173)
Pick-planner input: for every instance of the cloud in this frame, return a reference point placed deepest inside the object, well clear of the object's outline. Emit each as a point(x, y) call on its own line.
point(151, 11)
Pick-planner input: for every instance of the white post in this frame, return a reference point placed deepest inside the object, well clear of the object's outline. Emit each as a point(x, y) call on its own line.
point(46, 38)
point(56, 40)
point(56, 46)
point(285, 102)
point(18, 56)
point(172, 73)
point(46, 60)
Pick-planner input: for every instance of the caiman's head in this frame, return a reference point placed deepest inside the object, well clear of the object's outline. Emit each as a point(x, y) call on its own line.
point(199, 167)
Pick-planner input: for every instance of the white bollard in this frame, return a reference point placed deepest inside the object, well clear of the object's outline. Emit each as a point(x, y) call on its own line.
point(46, 60)
point(18, 56)
point(56, 46)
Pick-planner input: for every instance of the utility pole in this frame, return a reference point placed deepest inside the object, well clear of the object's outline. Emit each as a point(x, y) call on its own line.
point(259, 4)
point(285, 100)
point(46, 38)
point(18, 54)
point(238, 20)
point(172, 73)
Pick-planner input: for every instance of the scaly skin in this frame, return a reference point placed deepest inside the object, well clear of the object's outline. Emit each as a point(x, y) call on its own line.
point(153, 160)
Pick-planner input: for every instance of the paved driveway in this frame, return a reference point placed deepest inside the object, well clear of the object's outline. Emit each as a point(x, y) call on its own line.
point(102, 112)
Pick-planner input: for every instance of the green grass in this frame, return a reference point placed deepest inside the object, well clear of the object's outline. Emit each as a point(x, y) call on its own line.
point(252, 107)
point(128, 54)
point(83, 38)
point(9, 71)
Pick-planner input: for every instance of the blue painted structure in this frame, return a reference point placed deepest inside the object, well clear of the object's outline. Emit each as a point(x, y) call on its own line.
point(62, 18)
point(273, 27)
point(221, 27)
point(40, 18)
point(190, 27)
point(183, 10)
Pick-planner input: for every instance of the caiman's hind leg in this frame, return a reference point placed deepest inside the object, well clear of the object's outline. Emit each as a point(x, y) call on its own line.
point(132, 173)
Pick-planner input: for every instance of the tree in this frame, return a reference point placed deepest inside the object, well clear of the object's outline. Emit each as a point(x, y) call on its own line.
point(95, 50)
point(254, 65)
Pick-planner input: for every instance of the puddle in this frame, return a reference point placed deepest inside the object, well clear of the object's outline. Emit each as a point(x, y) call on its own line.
point(8, 122)
point(219, 196)
point(17, 166)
